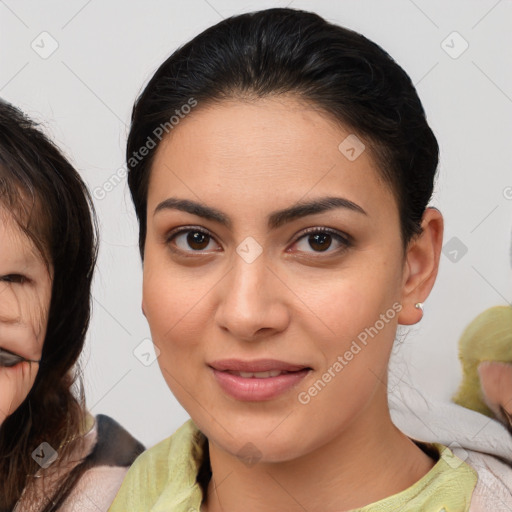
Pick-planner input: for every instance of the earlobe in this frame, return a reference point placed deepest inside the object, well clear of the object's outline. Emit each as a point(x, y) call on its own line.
point(142, 307)
point(421, 266)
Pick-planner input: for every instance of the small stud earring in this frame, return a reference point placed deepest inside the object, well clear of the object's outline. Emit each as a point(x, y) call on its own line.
point(419, 305)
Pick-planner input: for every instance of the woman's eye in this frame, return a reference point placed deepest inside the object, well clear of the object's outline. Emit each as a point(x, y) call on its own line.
point(321, 240)
point(317, 240)
point(13, 278)
point(191, 240)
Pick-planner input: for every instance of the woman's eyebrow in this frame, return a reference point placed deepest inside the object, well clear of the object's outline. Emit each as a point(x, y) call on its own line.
point(274, 220)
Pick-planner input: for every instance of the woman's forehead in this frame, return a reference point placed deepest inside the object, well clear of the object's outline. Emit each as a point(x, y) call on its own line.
point(266, 125)
point(267, 151)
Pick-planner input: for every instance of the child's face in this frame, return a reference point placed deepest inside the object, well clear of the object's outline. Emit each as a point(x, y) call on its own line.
point(325, 310)
point(25, 293)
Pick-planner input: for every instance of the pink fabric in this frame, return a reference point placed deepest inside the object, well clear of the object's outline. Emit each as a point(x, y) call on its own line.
point(94, 492)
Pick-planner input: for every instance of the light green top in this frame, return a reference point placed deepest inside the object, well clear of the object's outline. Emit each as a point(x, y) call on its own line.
point(163, 479)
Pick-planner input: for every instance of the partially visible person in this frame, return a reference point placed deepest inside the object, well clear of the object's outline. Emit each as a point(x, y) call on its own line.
point(485, 352)
point(54, 455)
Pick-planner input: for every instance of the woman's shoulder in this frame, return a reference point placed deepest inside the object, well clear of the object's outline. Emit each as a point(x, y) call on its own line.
point(170, 463)
point(114, 446)
point(491, 486)
point(163, 455)
point(111, 449)
point(95, 490)
point(493, 490)
point(92, 469)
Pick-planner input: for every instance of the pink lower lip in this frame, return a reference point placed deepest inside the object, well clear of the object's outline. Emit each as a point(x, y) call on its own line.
point(254, 389)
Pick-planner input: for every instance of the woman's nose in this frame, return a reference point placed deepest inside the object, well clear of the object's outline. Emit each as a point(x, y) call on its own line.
point(252, 301)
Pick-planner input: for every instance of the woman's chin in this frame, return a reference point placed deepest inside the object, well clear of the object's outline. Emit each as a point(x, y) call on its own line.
point(256, 445)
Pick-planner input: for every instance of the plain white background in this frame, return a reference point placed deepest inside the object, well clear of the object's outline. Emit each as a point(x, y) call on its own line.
point(78, 66)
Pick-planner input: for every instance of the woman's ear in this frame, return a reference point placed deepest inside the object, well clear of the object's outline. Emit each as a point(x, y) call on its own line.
point(421, 266)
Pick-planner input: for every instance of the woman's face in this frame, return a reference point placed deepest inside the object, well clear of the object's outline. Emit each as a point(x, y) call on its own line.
point(25, 293)
point(241, 278)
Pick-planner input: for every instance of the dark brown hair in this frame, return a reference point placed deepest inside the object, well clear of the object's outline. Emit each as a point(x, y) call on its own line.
point(52, 205)
point(288, 51)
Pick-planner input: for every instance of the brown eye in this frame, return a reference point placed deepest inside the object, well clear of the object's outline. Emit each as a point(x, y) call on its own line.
point(190, 240)
point(197, 240)
point(321, 240)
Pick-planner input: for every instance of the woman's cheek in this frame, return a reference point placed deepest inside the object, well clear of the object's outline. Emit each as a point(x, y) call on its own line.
point(170, 300)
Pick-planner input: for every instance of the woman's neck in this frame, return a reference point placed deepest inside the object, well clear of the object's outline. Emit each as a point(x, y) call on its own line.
point(369, 461)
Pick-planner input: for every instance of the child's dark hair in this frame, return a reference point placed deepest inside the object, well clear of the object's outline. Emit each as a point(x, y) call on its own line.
point(287, 51)
point(51, 204)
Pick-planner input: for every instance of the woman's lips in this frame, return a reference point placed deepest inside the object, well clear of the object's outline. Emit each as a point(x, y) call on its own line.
point(257, 380)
